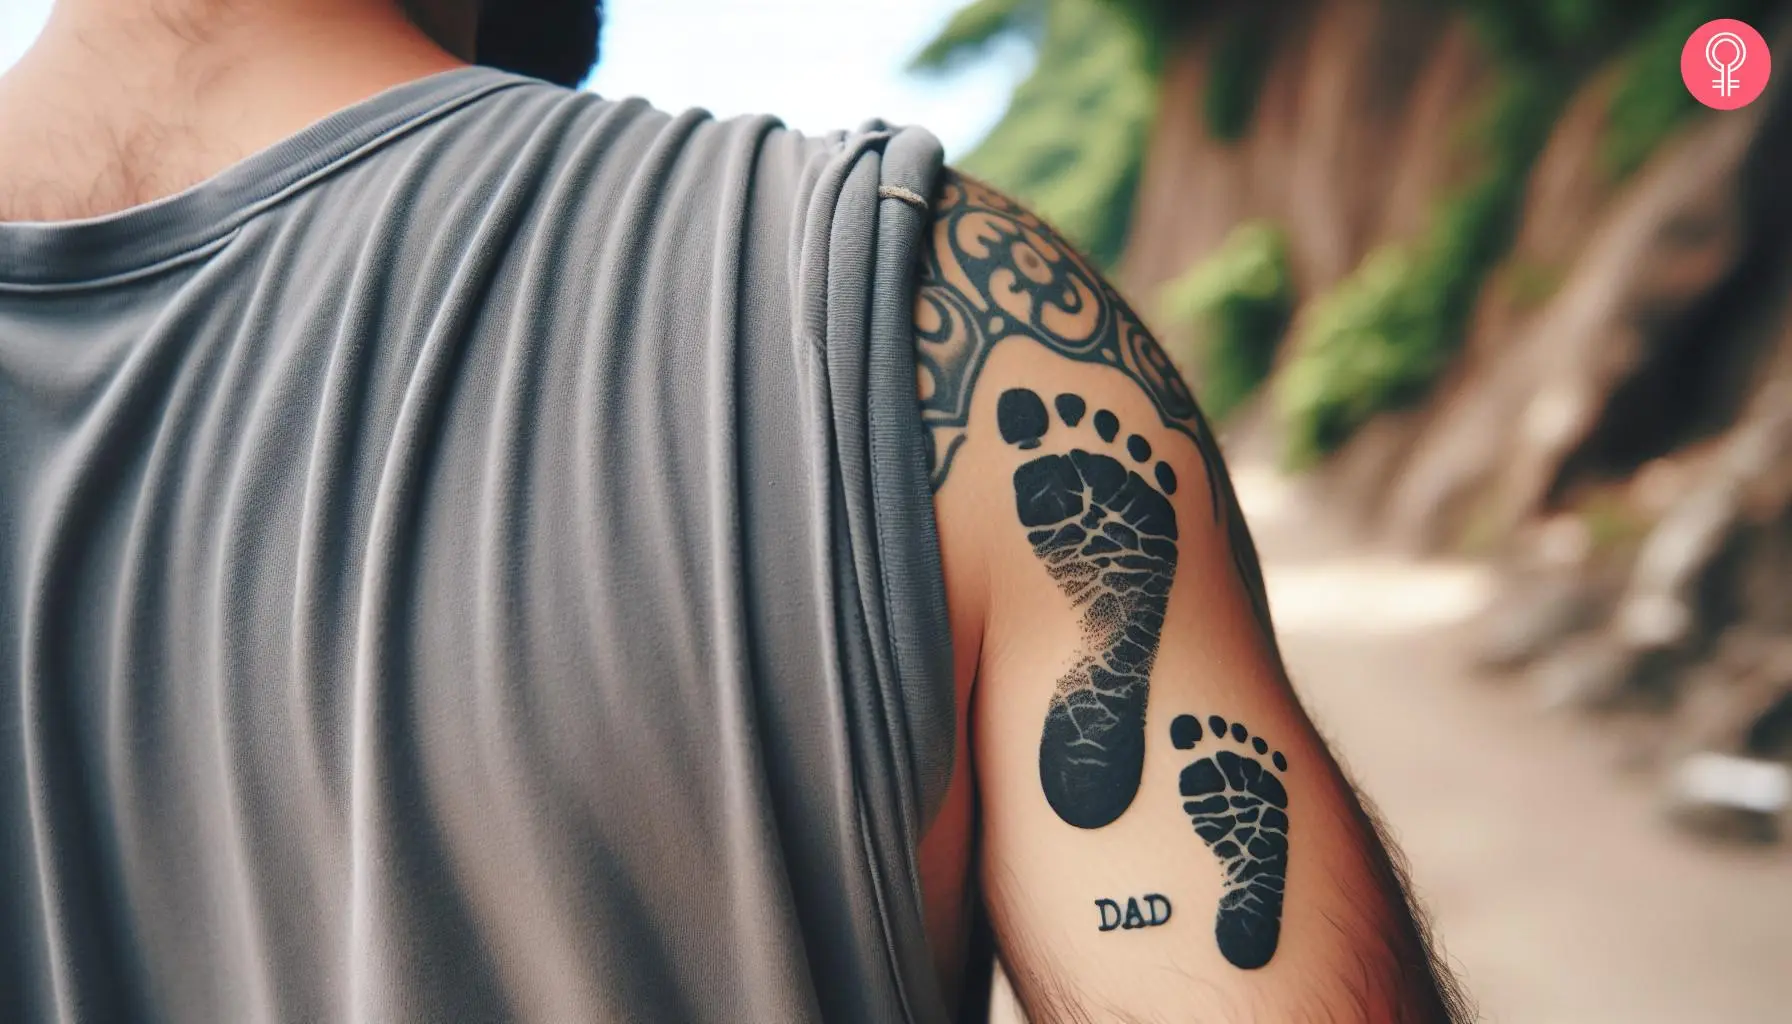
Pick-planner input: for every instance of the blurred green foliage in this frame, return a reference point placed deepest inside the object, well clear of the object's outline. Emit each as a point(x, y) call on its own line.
point(1360, 355)
point(1387, 330)
point(1072, 141)
point(1235, 305)
point(969, 31)
point(1650, 101)
point(1235, 75)
point(1383, 334)
point(1072, 144)
point(1531, 31)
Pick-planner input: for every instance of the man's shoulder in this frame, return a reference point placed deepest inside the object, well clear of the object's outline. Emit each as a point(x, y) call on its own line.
point(519, 128)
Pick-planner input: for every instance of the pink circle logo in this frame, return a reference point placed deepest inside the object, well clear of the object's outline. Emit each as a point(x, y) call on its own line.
point(1725, 64)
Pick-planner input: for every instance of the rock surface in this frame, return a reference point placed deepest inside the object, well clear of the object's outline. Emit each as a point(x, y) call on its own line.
point(1621, 440)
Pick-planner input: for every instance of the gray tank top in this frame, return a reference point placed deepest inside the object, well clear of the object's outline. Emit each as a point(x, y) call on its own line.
point(473, 561)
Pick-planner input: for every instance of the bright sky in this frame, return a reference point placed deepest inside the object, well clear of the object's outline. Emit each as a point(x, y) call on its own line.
point(818, 64)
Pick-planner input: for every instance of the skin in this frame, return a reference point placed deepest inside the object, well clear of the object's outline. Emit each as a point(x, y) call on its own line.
point(122, 102)
point(1008, 318)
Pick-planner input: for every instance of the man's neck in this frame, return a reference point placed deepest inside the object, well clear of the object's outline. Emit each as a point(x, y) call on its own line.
point(122, 102)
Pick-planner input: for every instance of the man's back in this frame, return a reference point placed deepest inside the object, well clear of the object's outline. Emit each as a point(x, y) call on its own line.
point(473, 568)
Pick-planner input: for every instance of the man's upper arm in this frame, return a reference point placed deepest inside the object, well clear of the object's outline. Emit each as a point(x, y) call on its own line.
point(1164, 835)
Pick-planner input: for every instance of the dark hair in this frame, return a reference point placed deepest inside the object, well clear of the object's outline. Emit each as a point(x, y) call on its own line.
point(554, 40)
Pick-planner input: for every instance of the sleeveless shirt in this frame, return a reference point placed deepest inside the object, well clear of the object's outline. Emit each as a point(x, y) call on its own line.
point(474, 561)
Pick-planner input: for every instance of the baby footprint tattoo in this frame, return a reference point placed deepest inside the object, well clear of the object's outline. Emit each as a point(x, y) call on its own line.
point(1240, 810)
point(1107, 537)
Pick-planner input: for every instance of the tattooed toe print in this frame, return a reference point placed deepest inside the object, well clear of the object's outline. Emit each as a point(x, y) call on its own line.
point(1240, 810)
point(994, 273)
point(1107, 536)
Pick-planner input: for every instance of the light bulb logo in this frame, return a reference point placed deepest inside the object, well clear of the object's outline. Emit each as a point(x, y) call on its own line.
point(1725, 83)
point(1725, 64)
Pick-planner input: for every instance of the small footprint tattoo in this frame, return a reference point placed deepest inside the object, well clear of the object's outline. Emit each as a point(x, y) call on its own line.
point(1107, 537)
point(1240, 809)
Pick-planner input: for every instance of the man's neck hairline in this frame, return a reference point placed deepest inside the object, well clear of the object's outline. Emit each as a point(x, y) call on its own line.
point(451, 24)
point(121, 102)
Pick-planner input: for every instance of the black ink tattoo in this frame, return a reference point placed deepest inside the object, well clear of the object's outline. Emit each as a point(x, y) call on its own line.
point(1020, 416)
point(1108, 538)
point(1156, 912)
point(995, 271)
point(1240, 810)
point(1070, 409)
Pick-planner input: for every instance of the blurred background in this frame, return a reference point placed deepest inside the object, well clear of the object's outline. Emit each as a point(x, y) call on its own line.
point(1497, 324)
